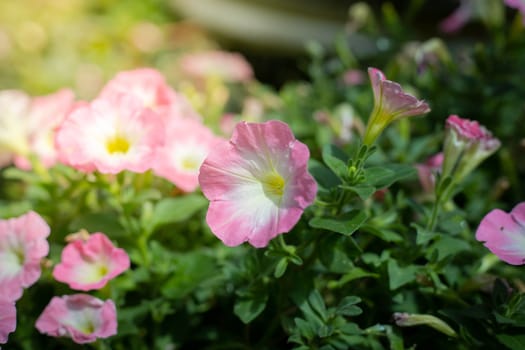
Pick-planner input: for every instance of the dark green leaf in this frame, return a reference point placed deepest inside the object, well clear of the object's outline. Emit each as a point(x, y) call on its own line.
point(324, 176)
point(248, 308)
point(386, 175)
point(346, 225)
point(172, 210)
point(399, 276)
point(336, 160)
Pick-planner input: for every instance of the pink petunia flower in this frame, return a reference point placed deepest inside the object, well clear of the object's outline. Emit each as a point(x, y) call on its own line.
point(459, 18)
point(23, 244)
point(7, 319)
point(150, 88)
point(391, 103)
point(44, 116)
point(227, 66)
point(79, 316)
point(14, 107)
point(504, 234)
point(90, 264)
point(467, 144)
point(427, 171)
point(258, 183)
point(110, 135)
point(519, 5)
point(188, 142)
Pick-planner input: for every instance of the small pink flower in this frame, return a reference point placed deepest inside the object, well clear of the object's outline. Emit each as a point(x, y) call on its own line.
point(459, 18)
point(90, 264)
point(427, 171)
point(149, 87)
point(23, 244)
point(44, 116)
point(227, 66)
point(504, 234)
point(519, 5)
point(353, 77)
point(467, 144)
point(110, 135)
point(258, 183)
point(188, 142)
point(79, 316)
point(7, 319)
point(391, 103)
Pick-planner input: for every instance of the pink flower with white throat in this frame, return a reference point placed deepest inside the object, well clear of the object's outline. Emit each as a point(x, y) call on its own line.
point(391, 103)
point(90, 264)
point(110, 135)
point(257, 183)
point(7, 319)
point(81, 317)
point(188, 142)
point(23, 244)
point(504, 234)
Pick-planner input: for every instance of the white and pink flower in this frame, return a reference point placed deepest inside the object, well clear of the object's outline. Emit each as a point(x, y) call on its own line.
point(258, 183)
point(467, 144)
point(227, 66)
point(149, 87)
point(391, 103)
point(7, 319)
point(90, 264)
point(43, 118)
point(14, 131)
point(23, 244)
point(188, 142)
point(110, 135)
point(81, 317)
point(427, 171)
point(504, 234)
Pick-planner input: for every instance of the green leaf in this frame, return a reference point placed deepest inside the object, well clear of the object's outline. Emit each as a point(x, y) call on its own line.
point(280, 268)
point(354, 274)
point(98, 222)
point(324, 176)
point(248, 308)
point(346, 224)
point(336, 160)
point(386, 175)
point(364, 191)
point(385, 235)
point(446, 246)
point(512, 341)
point(399, 276)
point(347, 306)
point(172, 210)
point(316, 301)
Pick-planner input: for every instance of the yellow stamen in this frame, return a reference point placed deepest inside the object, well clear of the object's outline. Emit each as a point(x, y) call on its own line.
point(117, 144)
point(273, 184)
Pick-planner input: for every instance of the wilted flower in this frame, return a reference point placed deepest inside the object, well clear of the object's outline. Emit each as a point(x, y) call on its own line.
point(188, 142)
point(427, 171)
point(23, 244)
point(43, 117)
point(258, 183)
point(227, 66)
point(504, 234)
point(79, 316)
point(391, 103)
point(7, 319)
point(110, 135)
point(467, 144)
point(404, 319)
point(90, 264)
